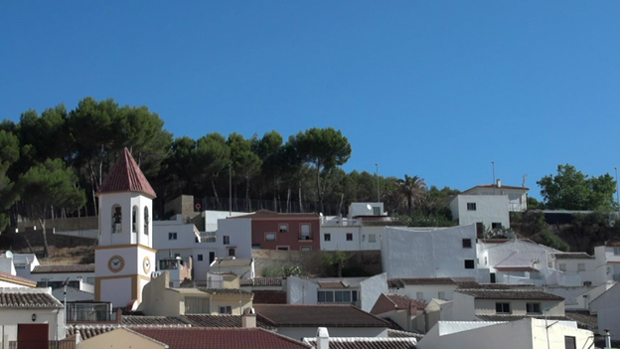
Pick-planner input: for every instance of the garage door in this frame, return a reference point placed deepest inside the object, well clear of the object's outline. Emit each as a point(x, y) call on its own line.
point(32, 336)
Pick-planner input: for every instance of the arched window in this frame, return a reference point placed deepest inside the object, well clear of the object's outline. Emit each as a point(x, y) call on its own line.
point(134, 219)
point(146, 220)
point(117, 219)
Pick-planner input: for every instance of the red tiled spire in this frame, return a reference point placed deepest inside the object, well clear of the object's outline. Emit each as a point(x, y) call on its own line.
point(125, 176)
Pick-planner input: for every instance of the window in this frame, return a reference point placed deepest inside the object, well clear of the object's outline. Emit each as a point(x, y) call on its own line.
point(496, 225)
point(493, 278)
point(502, 308)
point(372, 238)
point(327, 237)
point(231, 252)
point(562, 266)
point(283, 228)
point(306, 233)
point(486, 260)
point(581, 267)
point(270, 237)
point(469, 264)
point(226, 239)
point(172, 236)
point(196, 239)
point(146, 220)
point(570, 342)
point(282, 248)
point(326, 297)
point(200, 258)
point(533, 308)
point(419, 295)
point(471, 206)
point(376, 211)
point(616, 251)
point(466, 243)
point(441, 295)
point(117, 220)
point(306, 248)
point(211, 257)
point(347, 296)
point(196, 305)
point(226, 309)
point(349, 236)
point(134, 217)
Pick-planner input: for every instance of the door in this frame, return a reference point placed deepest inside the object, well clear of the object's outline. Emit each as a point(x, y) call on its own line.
point(32, 336)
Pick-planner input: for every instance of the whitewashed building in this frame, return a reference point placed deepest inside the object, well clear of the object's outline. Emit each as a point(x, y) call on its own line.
point(607, 309)
point(607, 263)
point(431, 252)
point(488, 205)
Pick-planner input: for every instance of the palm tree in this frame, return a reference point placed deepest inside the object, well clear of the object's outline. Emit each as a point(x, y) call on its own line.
point(412, 190)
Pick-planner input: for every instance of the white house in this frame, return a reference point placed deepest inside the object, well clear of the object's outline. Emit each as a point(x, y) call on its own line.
point(523, 334)
point(431, 252)
point(578, 267)
point(361, 291)
point(30, 315)
point(607, 263)
point(488, 205)
point(607, 310)
point(361, 230)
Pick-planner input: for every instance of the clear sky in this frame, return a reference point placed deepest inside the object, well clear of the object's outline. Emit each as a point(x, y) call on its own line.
point(437, 89)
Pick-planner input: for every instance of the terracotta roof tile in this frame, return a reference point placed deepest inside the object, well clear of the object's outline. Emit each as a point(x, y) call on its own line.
point(269, 297)
point(229, 321)
point(288, 315)
point(402, 302)
point(331, 284)
point(27, 298)
point(126, 176)
point(402, 282)
point(63, 268)
point(220, 338)
point(404, 334)
point(573, 255)
point(17, 279)
point(584, 318)
point(367, 343)
point(87, 332)
point(151, 320)
point(510, 294)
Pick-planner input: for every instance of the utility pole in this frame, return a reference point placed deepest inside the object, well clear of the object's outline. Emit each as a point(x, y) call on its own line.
point(229, 190)
point(494, 182)
point(617, 193)
point(378, 191)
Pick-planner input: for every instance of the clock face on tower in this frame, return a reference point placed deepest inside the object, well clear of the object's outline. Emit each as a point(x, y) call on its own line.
point(116, 264)
point(146, 265)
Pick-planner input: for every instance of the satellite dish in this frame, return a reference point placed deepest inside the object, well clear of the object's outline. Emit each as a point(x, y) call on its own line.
point(8, 254)
point(320, 214)
point(369, 207)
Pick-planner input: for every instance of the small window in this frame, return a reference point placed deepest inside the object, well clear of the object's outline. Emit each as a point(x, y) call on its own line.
point(134, 217)
point(376, 211)
point(117, 220)
point(372, 238)
point(146, 220)
point(270, 237)
point(349, 236)
point(562, 266)
point(306, 248)
point(231, 252)
point(211, 257)
point(502, 308)
point(306, 232)
point(354, 296)
point(226, 239)
point(283, 228)
point(419, 295)
point(172, 236)
point(200, 258)
point(570, 342)
point(469, 264)
point(441, 295)
point(327, 237)
point(466, 243)
point(225, 309)
point(587, 283)
point(496, 225)
point(617, 251)
point(581, 267)
point(533, 308)
point(196, 239)
point(471, 206)
point(282, 248)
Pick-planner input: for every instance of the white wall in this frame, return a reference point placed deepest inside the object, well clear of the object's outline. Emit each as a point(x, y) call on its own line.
point(126, 201)
point(10, 317)
point(607, 309)
point(572, 270)
point(428, 252)
point(186, 235)
point(301, 291)
point(371, 289)
point(428, 291)
point(213, 218)
point(362, 209)
point(489, 209)
point(361, 238)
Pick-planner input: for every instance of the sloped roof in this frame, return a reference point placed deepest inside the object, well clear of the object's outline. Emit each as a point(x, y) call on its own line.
point(126, 176)
point(63, 268)
point(402, 302)
point(262, 281)
point(583, 318)
point(269, 297)
point(233, 291)
point(367, 343)
point(404, 334)
point(151, 320)
point(491, 186)
point(27, 298)
point(17, 279)
point(510, 294)
point(289, 315)
point(573, 255)
point(228, 321)
point(220, 338)
point(331, 284)
point(402, 282)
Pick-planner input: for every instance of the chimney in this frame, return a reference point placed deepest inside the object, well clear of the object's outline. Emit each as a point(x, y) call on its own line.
point(119, 316)
point(607, 339)
point(248, 319)
point(322, 338)
point(499, 183)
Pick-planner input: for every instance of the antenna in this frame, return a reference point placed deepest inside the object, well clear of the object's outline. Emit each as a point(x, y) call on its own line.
point(524, 180)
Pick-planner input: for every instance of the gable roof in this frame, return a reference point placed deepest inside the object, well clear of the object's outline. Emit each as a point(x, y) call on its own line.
point(18, 280)
point(572, 255)
point(63, 268)
point(402, 282)
point(289, 315)
point(220, 338)
point(142, 320)
point(228, 321)
point(510, 294)
point(491, 186)
point(126, 176)
point(28, 298)
point(402, 302)
point(367, 343)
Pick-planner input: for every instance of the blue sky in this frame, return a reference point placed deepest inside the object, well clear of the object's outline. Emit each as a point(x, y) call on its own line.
point(437, 89)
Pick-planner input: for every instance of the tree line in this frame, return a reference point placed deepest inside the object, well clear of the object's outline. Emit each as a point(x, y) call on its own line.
point(53, 163)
